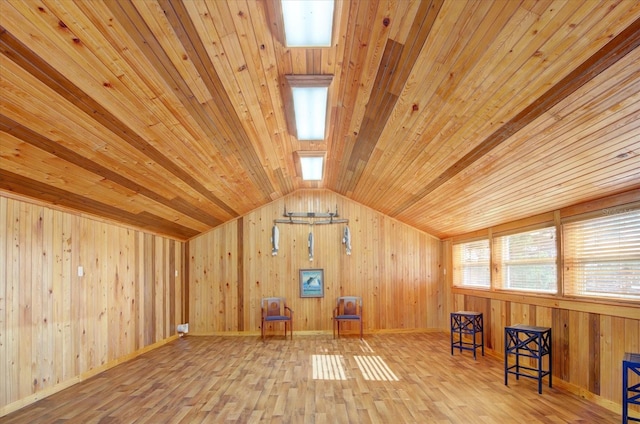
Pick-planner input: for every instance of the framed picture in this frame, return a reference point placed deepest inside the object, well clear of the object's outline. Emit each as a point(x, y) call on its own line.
point(311, 283)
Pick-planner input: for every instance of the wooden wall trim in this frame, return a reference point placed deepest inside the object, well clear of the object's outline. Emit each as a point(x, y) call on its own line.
point(617, 309)
point(185, 283)
point(172, 286)
point(240, 273)
point(594, 353)
point(14, 406)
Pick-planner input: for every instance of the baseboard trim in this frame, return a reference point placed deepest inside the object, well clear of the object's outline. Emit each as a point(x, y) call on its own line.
point(41, 394)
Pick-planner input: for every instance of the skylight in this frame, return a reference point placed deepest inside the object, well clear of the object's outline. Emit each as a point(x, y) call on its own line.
point(308, 23)
point(310, 106)
point(305, 102)
point(312, 167)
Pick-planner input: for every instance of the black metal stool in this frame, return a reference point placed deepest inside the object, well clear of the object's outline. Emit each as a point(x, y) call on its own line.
point(630, 394)
point(530, 342)
point(467, 323)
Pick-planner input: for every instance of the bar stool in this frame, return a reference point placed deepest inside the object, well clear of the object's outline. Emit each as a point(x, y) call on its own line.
point(630, 394)
point(467, 323)
point(530, 342)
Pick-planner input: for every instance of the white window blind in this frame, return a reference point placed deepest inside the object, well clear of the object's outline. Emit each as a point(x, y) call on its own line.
point(602, 256)
point(471, 264)
point(527, 261)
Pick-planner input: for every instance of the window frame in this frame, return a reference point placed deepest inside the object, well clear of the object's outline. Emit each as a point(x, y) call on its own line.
point(571, 287)
point(459, 270)
point(557, 219)
point(499, 279)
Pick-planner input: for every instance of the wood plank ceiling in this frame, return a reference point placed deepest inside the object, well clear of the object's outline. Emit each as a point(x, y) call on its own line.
point(448, 115)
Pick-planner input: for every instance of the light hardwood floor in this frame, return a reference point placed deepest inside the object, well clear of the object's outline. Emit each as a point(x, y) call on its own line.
point(243, 379)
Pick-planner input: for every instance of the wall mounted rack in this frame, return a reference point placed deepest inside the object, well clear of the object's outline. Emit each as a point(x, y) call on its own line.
point(313, 218)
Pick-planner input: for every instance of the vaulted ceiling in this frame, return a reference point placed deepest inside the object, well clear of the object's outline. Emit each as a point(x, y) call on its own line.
point(450, 116)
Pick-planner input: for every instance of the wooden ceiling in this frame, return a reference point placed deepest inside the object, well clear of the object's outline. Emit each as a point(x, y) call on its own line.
point(451, 116)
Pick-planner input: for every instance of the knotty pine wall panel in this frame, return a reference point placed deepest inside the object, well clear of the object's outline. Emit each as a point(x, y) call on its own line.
point(588, 346)
point(57, 328)
point(213, 278)
point(395, 268)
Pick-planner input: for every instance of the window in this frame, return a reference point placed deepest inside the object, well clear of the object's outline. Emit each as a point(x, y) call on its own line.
point(471, 264)
point(602, 255)
point(527, 261)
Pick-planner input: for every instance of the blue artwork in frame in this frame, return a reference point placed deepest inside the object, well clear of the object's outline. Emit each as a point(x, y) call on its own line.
point(311, 283)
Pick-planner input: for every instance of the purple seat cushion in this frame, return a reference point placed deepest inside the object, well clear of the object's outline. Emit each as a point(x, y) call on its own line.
point(277, 318)
point(356, 317)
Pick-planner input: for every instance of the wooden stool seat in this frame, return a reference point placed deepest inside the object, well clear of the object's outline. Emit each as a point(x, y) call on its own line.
point(630, 394)
point(529, 342)
point(467, 323)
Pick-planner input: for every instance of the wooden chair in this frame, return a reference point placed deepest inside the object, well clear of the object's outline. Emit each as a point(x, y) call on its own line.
point(348, 309)
point(275, 309)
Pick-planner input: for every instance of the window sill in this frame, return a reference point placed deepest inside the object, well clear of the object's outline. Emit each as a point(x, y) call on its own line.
point(624, 309)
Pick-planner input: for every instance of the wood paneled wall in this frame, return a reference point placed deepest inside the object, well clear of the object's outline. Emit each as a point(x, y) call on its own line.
point(394, 267)
point(57, 328)
point(589, 337)
point(589, 340)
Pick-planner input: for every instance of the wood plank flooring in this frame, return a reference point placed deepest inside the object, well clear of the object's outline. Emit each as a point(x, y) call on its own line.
point(246, 380)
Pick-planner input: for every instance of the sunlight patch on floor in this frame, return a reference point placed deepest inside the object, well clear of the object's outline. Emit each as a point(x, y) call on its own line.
point(365, 346)
point(328, 367)
point(374, 368)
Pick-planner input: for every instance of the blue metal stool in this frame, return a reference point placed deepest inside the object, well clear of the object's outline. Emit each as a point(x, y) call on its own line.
point(530, 342)
point(630, 394)
point(466, 323)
